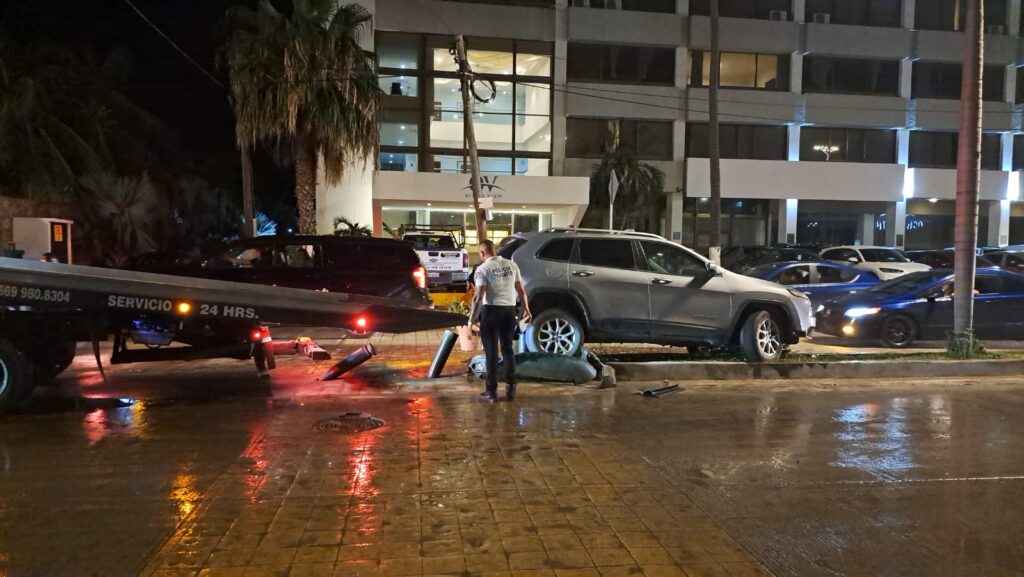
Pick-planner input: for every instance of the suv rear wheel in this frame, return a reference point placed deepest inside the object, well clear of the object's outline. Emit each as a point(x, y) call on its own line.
point(761, 337)
point(15, 376)
point(554, 331)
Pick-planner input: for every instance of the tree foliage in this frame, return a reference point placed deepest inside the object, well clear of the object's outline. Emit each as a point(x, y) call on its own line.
point(301, 82)
point(641, 185)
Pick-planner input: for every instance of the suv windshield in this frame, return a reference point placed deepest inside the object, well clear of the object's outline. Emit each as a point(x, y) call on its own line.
point(908, 283)
point(882, 255)
point(432, 241)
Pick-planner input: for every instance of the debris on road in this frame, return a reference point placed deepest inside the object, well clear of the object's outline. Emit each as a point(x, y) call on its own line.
point(659, 392)
point(358, 357)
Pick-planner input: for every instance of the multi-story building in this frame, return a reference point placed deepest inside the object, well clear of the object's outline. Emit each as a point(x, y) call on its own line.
point(839, 117)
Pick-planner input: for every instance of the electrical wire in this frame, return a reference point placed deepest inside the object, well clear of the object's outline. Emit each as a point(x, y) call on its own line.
point(174, 44)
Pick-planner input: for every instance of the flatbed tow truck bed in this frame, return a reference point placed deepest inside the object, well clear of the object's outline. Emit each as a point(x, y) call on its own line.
point(46, 308)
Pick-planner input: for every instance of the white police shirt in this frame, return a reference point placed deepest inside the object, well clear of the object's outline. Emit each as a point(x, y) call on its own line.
point(497, 277)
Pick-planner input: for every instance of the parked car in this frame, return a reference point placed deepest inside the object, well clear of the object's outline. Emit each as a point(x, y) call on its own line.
point(821, 281)
point(446, 261)
point(944, 259)
point(887, 263)
point(352, 264)
point(919, 306)
point(753, 257)
point(609, 286)
point(1011, 260)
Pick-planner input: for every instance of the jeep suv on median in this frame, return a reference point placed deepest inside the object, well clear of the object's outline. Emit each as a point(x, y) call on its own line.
point(629, 287)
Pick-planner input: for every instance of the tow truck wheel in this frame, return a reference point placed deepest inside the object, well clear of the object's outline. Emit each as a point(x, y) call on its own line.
point(15, 376)
point(52, 361)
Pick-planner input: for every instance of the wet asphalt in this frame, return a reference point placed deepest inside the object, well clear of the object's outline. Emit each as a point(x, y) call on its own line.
point(205, 470)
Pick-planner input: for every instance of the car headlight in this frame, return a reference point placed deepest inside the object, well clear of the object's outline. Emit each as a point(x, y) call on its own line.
point(797, 294)
point(819, 309)
point(890, 270)
point(858, 312)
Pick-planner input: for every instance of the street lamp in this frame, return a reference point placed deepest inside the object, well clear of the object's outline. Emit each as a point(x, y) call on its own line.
point(826, 149)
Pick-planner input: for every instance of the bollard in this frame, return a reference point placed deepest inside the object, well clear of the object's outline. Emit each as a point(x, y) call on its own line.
point(358, 357)
point(443, 352)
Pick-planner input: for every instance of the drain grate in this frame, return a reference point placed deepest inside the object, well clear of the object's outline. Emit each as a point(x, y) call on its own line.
point(350, 423)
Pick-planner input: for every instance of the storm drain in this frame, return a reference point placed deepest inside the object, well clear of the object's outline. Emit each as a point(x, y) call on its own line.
point(350, 423)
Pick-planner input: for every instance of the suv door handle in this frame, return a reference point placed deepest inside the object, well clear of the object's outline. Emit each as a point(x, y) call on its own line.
point(583, 273)
point(661, 281)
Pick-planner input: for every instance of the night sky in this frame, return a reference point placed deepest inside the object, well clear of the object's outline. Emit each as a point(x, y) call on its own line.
point(162, 81)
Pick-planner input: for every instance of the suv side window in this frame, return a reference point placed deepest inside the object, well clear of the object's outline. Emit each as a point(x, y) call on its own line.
point(296, 256)
point(664, 258)
point(557, 250)
point(610, 253)
point(795, 275)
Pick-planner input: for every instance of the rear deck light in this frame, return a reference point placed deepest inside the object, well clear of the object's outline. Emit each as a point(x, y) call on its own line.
point(419, 275)
point(362, 323)
point(465, 260)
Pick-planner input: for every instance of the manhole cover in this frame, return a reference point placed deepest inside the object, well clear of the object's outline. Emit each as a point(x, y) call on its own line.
point(350, 423)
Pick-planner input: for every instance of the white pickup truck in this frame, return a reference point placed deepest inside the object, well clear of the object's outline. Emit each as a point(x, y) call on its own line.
point(446, 261)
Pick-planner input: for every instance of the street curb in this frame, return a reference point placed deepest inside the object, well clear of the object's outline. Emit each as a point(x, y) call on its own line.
point(734, 371)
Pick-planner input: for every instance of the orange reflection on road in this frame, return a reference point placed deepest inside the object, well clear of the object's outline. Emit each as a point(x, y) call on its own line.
point(362, 463)
point(184, 493)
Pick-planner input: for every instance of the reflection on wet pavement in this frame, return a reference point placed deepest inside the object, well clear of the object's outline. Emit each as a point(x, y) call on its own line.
point(227, 476)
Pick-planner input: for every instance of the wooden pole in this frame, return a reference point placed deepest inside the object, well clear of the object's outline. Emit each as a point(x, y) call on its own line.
point(968, 168)
point(466, 77)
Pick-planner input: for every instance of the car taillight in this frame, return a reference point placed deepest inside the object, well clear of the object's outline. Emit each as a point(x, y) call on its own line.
point(465, 260)
point(362, 323)
point(419, 275)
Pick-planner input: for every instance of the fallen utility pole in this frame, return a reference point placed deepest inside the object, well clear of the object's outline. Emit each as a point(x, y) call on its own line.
point(466, 79)
point(968, 167)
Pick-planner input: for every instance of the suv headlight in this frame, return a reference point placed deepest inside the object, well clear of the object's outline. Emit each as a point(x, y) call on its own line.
point(797, 294)
point(857, 312)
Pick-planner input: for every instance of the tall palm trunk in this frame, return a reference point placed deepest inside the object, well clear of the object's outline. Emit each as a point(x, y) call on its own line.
point(305, 183)
point(714, 152)
point(968, 166)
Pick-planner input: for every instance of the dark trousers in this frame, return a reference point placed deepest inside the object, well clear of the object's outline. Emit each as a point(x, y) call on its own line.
point(498, 327)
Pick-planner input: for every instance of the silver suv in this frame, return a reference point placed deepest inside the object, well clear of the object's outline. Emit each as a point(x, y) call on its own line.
point(629, 287)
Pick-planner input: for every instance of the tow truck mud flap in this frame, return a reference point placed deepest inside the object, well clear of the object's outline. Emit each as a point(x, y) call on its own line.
point(544, 367)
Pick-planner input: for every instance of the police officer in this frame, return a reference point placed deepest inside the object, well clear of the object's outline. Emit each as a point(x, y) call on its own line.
point(497, 281)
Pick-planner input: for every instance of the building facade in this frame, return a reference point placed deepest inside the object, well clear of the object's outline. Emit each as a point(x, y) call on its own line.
point(839, 117)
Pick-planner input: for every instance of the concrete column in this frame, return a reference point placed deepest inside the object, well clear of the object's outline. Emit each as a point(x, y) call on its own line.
point(559, 99)
point(683, 7)
point(1013, 17)
point(1006, 150)
point(998, 223)
point(1010, 83)
point(796, 73)
point(793, 140)
point(867, 229)
point(787, 220)
point(423, 217)
point(903, 146)
point(799, 11)
point(907, 15)
point(896, 224)
point(906, 69)
point(674, 216)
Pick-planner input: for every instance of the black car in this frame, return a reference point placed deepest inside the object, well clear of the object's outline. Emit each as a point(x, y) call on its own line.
point(944, 258)
point(757, 256)
point(1011, 260)
point(357, 265)
point(919, 306)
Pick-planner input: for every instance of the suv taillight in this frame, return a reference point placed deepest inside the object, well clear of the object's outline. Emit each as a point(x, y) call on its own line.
point(465, 260)
point(419, 276)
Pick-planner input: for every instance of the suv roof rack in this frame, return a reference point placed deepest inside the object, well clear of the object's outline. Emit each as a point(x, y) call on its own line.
point(605, 231)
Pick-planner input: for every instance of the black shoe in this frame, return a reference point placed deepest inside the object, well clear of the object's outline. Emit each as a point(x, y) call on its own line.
point(510, 392)
point(486, 397)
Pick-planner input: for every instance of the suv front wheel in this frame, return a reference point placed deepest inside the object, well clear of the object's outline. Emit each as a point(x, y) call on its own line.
point(554, 331)
point(761, 337)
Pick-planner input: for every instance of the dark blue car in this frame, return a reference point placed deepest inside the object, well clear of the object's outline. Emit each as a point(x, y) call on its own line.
point(821, 281)
point(920, 306)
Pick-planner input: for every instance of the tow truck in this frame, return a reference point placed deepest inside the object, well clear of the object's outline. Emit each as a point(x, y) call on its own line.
point(47, 308)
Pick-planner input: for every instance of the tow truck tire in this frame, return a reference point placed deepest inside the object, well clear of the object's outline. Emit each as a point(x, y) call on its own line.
point(52, 361)
point(15, 376)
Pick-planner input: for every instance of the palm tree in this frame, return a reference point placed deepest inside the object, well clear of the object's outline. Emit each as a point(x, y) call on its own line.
point(345, 227)
point(641, 185)
point(300, 80)
point(119, 217)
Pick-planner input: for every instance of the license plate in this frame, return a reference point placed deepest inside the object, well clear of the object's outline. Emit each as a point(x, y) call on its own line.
point(459, 275)
point(433, 275)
